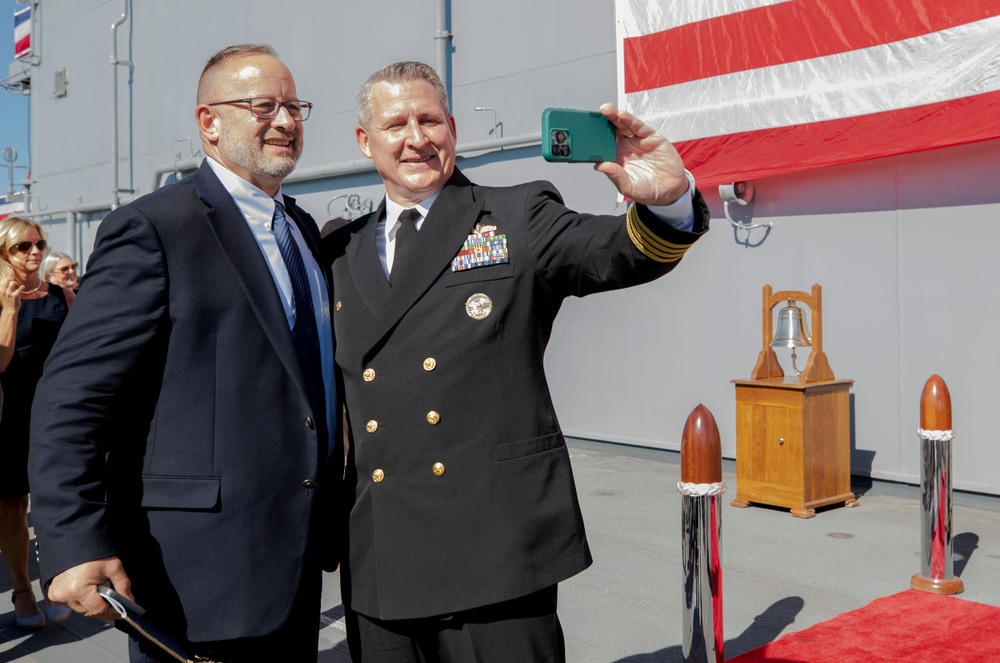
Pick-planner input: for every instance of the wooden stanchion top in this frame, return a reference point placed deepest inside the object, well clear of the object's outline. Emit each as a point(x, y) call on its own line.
point(701, 450)
point(935, 405)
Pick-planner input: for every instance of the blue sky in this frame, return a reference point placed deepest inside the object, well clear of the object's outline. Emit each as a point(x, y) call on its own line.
point(13, 107)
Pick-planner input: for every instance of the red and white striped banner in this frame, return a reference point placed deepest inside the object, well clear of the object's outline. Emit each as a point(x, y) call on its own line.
point(6, 209)
point(754, 88)
point(22, 32)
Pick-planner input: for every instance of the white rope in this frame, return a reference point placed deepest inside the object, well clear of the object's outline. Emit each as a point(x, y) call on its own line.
point(701, 489)
point(936, 435)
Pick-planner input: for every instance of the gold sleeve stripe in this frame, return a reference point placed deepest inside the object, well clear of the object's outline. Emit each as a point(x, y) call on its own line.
point(648, 243)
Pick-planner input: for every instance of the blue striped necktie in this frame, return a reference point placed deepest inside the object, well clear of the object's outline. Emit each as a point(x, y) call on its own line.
point(304, 333)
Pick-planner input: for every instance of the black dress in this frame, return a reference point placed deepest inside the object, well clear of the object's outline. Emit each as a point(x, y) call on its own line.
point(38, 324)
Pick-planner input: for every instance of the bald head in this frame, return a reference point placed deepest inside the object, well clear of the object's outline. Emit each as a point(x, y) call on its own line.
point(262, 150)
point(216, 71)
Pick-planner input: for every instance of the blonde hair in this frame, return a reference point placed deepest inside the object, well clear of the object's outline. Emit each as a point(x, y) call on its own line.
point(14, 229)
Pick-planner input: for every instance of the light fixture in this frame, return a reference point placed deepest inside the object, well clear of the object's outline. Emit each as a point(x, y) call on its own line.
point(741, 193)
point(497, 126)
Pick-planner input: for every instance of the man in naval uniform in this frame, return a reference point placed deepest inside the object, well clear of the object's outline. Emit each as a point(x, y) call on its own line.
point(465, 516)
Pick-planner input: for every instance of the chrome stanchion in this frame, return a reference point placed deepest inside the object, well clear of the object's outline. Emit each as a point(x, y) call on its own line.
point(937, 568)
point(701, 487)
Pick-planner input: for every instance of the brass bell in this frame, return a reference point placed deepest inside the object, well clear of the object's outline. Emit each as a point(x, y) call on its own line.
point(792, 331)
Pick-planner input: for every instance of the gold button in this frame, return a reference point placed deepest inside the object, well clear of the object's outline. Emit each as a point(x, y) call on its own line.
point(369, 374)
point(430, 364)
point(437, 469)
point(433, 417)
point(377, 476)
point(371, 426)
point(338, 306)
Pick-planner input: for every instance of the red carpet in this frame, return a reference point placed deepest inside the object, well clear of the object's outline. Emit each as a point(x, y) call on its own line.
point(910, 627)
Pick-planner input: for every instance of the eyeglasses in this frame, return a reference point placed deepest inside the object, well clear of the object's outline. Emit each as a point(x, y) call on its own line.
point(25, 246)
point(267, 109)
point(68, 268)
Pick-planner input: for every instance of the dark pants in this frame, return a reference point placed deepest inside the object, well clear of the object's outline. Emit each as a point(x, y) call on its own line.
point(519, 631)
point(296, 641)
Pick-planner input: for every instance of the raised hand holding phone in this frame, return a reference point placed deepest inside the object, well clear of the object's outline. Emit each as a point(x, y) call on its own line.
point(575, 136)
point(642, 164)
point(647, 168)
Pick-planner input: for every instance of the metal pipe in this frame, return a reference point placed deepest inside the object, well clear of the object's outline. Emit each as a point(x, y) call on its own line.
point(701, 522)
point(115, 188)
point(78, 209)
point(701, 488)
point(71, 236)
point(441, 40)
point(10, 156)
point(936, 560)
point(355, 166)
point(937, 568)
point(338, 169)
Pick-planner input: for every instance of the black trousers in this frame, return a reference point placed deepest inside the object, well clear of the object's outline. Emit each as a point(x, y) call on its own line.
point(523, 630)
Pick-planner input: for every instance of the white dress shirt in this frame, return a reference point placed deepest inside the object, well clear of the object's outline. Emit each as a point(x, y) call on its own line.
point(258, 210)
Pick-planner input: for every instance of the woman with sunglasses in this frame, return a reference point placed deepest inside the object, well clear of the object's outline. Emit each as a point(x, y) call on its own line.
point(31, 313)
point(60, 268)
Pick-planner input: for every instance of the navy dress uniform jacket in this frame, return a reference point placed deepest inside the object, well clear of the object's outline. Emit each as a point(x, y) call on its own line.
point(172, 427)
point(463, 495)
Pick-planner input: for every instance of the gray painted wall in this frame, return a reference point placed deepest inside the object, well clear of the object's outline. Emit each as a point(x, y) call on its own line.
point(900, 245)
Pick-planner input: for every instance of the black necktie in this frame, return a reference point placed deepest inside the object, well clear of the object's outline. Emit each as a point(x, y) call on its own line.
point(405, 234)
point(304, 333)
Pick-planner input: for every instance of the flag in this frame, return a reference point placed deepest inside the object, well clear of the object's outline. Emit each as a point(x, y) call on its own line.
point(22, 32)
point(753, 88)
point(14, 207)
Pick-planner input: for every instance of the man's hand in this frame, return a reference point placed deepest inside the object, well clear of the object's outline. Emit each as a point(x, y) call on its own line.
point(77, 587)
point(647, 169)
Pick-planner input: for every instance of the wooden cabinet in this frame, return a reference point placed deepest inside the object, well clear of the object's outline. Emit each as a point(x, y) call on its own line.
point(793, 444)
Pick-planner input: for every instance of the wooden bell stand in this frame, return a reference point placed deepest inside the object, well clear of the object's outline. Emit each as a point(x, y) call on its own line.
point(793, 434)
point(817, 367)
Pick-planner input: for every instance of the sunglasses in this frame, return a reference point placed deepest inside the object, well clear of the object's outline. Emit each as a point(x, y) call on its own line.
point(25, 246)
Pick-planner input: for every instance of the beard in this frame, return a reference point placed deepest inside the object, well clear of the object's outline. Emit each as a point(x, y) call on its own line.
point(250, 155)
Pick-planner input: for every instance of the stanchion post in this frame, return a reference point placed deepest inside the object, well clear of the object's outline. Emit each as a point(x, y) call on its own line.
point(937, 572)
point(701, 489)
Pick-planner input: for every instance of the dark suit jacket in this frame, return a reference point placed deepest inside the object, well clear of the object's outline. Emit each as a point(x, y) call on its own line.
point(176, 363)
point(428, 383)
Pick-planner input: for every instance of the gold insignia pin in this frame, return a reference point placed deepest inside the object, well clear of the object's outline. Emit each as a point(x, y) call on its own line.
point(479, 306)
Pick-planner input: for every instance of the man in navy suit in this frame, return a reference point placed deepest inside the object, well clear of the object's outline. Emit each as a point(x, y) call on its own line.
point(184, 440)
point(465, 516)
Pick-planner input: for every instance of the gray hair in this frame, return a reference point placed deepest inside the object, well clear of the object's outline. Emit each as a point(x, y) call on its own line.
point(50, 263)
point(397, 72)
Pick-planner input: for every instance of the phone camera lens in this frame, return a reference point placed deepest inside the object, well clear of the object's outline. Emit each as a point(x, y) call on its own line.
point(560, 137)
point(562, 150)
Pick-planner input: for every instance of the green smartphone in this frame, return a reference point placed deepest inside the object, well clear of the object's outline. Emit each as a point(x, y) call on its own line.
point(574, 136)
